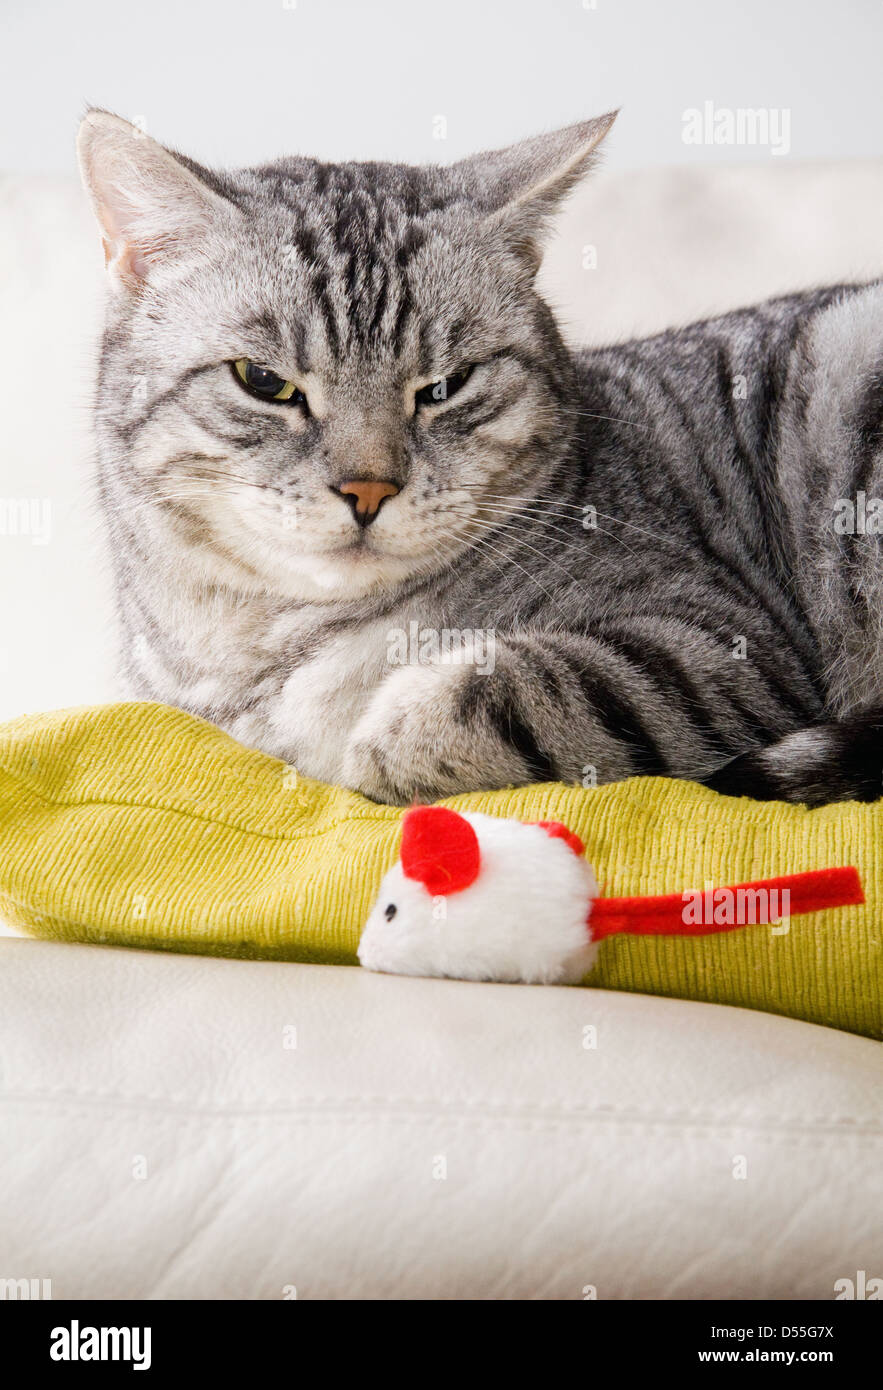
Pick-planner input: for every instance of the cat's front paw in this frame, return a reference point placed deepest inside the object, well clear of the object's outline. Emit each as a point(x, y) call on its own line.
point(417, 741)
point(402, 748)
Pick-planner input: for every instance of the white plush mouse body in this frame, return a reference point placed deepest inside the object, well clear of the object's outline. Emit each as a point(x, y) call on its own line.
point(479, 898)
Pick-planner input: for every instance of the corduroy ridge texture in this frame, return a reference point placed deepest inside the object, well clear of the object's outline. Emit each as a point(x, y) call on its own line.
point(136, 824)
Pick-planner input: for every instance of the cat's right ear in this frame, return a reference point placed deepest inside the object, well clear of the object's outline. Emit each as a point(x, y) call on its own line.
point(150, 205)
point(520, 189)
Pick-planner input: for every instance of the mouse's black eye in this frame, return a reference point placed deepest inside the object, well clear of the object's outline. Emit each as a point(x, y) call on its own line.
point(390, 912)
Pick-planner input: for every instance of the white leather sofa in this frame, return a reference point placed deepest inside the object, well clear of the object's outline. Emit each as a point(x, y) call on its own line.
point(176, 1127)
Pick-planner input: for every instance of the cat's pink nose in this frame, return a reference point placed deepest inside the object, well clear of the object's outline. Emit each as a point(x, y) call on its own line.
point(366, 496)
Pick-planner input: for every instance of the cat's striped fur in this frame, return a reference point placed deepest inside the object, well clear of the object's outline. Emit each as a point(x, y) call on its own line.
point(648, 529)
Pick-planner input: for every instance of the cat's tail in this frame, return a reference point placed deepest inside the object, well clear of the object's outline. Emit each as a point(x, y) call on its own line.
point(840, 761)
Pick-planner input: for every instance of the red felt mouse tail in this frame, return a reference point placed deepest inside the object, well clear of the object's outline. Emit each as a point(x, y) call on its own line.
point(701, 912)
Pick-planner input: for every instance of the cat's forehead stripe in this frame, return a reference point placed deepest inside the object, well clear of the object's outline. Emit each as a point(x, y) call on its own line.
point(357, 230)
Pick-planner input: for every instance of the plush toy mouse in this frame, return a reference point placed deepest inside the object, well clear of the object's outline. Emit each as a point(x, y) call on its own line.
point(476, 897)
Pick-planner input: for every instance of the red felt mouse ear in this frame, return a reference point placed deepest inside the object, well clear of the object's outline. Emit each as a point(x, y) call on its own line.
point(561, 832)
point(439, 849)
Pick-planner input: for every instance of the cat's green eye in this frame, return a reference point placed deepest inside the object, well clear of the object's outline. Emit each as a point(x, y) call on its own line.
point(260, 381)
point(441, 390)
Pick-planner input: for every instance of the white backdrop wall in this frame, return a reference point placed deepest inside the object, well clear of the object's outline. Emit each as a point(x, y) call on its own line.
point(238, 81)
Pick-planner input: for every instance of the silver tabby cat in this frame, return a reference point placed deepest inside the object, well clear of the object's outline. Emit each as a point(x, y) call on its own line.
point(332, 405)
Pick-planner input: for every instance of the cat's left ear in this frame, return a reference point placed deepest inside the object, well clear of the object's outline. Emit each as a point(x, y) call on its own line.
point(151, 204)
point(522, 187)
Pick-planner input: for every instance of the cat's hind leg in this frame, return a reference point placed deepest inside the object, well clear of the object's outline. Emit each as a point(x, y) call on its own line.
point(830, 480)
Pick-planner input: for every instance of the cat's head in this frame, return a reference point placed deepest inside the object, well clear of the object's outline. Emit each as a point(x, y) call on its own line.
point(328, 378)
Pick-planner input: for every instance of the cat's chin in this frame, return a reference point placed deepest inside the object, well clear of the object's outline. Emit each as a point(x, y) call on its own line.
point(344, 574)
